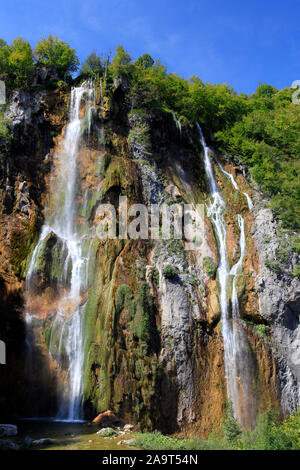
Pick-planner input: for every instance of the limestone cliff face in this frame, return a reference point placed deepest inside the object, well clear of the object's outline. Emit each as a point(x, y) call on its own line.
point(153, 344)
point(35, 118)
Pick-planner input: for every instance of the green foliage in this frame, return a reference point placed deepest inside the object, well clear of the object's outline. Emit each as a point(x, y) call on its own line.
point(121, 64)
point(209, 266)
point(5, 136)
point(58, 54)
point(145, 61)
point(142, 323)
point(296, 271)
point(169, 272)
point(16, 63)
point(92, 64)
point(274, 265)
point(261, 330)
point(266, 138)
point(105, 162)
point(154, 276)
point(231, 429)
point(268, 435)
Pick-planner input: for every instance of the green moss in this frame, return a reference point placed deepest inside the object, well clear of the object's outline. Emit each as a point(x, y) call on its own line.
point(21, 245)
point(105, 162)
point(210, 267)
point(142, 324)
point(153, 276)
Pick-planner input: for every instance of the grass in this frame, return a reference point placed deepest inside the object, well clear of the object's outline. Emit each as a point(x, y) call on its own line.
point(269, 434)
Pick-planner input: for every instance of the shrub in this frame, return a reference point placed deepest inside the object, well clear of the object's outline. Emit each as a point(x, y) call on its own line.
point(296, 271)
point(231, 429)
point(169, 272)
point(261, 330)
point(274, 265)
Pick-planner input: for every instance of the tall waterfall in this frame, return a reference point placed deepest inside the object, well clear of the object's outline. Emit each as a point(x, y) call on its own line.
point(62, 234)
point(239, 367)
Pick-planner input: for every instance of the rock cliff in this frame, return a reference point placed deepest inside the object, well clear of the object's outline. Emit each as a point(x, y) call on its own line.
point(153, 343)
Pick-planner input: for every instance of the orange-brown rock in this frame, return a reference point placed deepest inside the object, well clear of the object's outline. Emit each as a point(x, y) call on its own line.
point(108, 418)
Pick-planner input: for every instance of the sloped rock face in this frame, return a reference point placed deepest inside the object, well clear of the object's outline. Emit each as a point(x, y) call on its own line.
point(153, 343)
point(279, 302)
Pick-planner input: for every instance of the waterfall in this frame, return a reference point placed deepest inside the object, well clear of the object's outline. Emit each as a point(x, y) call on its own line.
point(60, 228)
point(239, 367)
point(236, 186)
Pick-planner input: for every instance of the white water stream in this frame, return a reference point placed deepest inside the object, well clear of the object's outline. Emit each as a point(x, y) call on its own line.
point(237, 354)
point(66, 343)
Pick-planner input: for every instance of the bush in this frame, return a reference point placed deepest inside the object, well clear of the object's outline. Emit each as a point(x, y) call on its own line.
point(169, 272)
point(274, 265)
point(268, 435)
point(231, 429)
point(261, 330)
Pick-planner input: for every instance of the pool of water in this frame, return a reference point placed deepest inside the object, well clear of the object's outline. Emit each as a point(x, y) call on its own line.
point(68, 435)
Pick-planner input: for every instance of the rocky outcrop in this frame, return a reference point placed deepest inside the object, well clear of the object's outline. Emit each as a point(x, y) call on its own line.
point(279, 299)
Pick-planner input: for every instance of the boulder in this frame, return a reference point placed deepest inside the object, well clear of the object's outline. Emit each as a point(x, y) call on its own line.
point(128, 427)
point(130, 442)
point(106, 419)
point(42, 442)
point(8, 430)
point(107, 432)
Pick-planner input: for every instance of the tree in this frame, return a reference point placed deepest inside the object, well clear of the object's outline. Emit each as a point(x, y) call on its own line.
point(57, 54)
point(20, 62)
point(145, 61)
point(92, 63)
point(121, 62)
point(4, 55)
point(16, 63)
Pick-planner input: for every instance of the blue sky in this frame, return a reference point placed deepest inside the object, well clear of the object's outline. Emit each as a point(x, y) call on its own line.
point(238, 42)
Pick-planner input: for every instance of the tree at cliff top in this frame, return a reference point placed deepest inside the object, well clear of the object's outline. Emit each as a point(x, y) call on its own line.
point(261, 130)
point(121, 63)
point(58, 54)
point(16, 63)
point(267, 140)
point(92, 64)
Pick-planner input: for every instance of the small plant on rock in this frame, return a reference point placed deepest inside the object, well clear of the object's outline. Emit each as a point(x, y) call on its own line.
point(169, 272)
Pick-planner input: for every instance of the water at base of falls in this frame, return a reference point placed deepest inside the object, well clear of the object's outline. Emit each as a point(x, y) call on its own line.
point(65, 342)
point(239, 367)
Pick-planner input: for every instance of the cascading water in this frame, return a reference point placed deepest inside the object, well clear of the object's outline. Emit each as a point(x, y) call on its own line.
point(236, 186)
point(239, 367)
point(65, 338)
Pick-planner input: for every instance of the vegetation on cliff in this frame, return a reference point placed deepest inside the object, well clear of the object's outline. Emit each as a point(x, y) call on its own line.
point(260, 130)
point(269, 434)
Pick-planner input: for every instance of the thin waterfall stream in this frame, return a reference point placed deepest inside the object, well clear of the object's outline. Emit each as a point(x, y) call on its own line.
point(61, 230)
point(239, 367)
